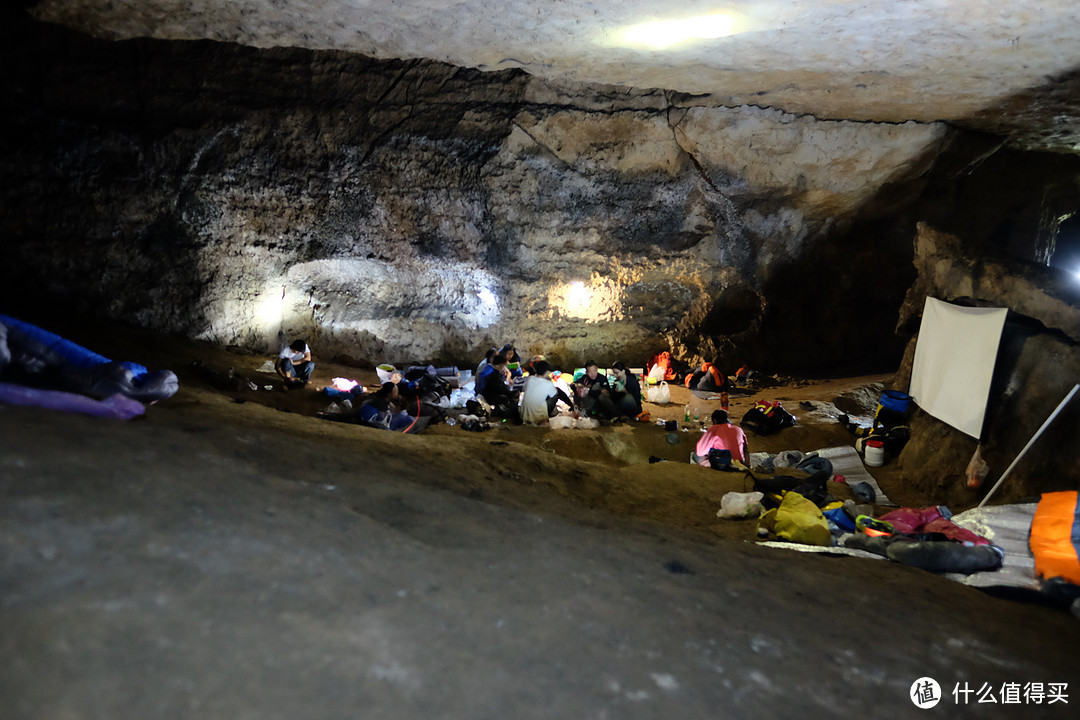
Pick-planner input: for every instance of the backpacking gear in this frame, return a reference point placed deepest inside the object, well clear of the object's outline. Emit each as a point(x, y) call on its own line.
point(767, 418)
point(874, 528)
point(1055, 536)
point(720, 459)
point(797, 520)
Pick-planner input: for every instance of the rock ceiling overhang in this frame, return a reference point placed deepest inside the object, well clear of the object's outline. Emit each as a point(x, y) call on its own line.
point(1008, 68)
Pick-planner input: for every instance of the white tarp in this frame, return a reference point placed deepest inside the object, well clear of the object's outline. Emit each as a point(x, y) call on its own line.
point(954, 362)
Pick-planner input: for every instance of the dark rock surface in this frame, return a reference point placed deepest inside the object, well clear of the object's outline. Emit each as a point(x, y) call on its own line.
point(229, 561)
point(408, 210)
point(1037, 365)
point(415, 211)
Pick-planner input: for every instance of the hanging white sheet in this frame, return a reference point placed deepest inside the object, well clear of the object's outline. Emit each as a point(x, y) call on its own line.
point(954, 362)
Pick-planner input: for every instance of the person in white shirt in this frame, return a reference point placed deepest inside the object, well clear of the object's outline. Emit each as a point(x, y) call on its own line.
point(540, 396)
point(294, 364)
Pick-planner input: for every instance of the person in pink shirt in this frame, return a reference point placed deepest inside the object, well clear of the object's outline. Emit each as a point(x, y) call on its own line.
point(722, 436)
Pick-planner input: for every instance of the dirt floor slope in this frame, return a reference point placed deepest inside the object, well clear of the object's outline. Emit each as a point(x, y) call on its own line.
point(230, 555)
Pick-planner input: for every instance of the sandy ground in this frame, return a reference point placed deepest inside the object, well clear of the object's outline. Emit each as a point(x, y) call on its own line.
point(615, 470)
point(231, 555)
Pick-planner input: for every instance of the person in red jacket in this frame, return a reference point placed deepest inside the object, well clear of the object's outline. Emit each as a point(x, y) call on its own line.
point(722, 436)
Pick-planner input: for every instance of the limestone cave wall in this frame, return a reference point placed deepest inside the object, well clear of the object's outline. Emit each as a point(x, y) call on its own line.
point(1035, 368)
point(408, 210)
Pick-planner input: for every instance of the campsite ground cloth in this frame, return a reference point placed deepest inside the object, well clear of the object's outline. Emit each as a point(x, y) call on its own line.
point(846, 461)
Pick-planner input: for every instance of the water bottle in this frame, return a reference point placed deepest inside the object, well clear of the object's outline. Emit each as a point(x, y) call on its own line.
point(686, 414)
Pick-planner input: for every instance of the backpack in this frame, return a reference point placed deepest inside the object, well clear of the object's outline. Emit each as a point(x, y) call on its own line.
point(767, 418)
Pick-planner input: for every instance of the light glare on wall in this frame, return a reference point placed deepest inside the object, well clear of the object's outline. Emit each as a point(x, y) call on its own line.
point(660, 34)
point(593, 300)
point(270, 308)
point(577, 297)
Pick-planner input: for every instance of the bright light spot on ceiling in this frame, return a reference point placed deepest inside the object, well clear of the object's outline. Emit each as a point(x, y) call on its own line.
point(661, 34)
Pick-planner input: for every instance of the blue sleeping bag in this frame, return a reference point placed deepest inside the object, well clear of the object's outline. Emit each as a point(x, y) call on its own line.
point(39, 357)
point(74, 355)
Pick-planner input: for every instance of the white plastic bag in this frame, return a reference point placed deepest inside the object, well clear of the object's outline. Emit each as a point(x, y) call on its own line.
point(586, 423)
point(343, 384)
point(561, 422)
point(659, 394)
point(656, 374)
point(737, 505)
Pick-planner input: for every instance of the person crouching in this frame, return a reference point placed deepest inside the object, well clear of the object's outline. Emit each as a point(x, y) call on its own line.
point(722, 435)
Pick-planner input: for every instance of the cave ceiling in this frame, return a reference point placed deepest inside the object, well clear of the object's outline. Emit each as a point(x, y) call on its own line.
point(1007, 68)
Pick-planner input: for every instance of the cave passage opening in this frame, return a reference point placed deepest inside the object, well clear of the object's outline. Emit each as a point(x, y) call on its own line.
point(1066, 252)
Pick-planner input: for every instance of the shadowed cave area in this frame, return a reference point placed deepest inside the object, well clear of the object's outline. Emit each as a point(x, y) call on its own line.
point(178, 197)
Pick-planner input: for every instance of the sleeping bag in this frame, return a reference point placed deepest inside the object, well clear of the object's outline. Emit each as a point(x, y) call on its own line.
point(38, 358)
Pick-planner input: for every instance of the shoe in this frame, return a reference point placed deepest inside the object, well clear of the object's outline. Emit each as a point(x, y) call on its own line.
point(874, 528)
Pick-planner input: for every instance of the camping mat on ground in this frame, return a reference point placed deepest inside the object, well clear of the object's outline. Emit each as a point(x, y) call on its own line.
point(1008, 527)
point(706, 394)
point(831, 550)
point(714, 395)
point(846, 461)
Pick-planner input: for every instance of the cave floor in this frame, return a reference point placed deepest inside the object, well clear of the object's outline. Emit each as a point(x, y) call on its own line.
point(231, 556)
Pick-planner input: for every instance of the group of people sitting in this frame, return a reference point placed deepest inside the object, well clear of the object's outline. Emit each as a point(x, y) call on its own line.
point(532, 393)
point(502, 382)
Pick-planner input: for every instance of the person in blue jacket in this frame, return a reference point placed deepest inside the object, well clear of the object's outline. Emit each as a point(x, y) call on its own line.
point(382, 410)
point(491, 384)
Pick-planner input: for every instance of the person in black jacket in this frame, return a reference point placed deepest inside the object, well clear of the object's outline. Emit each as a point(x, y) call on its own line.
point(593, 394)
point(492, 385)
point(625, 391)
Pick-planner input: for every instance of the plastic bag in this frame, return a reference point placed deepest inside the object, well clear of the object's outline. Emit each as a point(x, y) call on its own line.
point(737, 505)
point(385, 372)
point(659, 394)
point(459, 397)
point(586, 423)
point(656, 374)
point(561, 422)
point(343, 384)
point(977, 470)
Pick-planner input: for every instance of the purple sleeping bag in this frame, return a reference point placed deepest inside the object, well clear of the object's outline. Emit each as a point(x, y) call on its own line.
point(114, 406)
